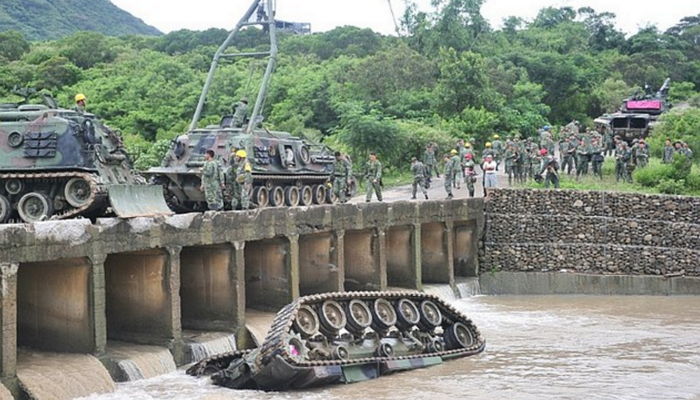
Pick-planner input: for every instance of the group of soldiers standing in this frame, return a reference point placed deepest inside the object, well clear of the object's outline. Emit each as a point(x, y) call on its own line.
point(230, 186)
point(679, 147)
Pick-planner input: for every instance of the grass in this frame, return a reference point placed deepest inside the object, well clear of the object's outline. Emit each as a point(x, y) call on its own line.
point(608, 183)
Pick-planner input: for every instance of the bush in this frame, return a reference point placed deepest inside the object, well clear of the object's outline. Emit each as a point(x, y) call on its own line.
point(670, 186)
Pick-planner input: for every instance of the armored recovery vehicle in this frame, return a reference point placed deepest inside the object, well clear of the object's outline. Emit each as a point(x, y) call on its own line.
point(637, 115)
point(287, 170)
point(347, 337)
point(57, 163)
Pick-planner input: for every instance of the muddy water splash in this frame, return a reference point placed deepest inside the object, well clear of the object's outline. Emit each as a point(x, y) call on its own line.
point(200, 345)
point(546, 347)
point(141, 362)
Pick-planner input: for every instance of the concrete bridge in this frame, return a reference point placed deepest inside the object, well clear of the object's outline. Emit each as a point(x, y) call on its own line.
point(82, 287)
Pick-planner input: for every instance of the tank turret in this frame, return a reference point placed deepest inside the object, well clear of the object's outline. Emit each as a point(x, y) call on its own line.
point(57, 163)
point(287, 169)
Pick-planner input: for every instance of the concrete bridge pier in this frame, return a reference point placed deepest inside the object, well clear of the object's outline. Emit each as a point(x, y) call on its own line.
point(437, 252)
point(365, 259)
point(8, 326)
point(403, 253)
point(321, 262)
point(271, 272)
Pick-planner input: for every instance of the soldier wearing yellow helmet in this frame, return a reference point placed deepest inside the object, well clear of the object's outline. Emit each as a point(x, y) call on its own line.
point(80, 103)
point(498, 148)
point(239, 179)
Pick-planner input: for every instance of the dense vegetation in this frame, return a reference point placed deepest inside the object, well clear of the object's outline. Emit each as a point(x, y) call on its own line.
point(50, 19)
point(450, 75)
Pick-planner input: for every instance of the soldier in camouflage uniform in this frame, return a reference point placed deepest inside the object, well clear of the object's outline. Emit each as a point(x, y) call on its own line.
point(341, 177)
point(230, 181)
point(510, 156)
point(240, 112)
point(244, 180)
point(597, 157)
point(373, 177)
point(448, 172)
point(623, 156)
point(642, 153)
point(668, 152)
point(211, 182)
point(497, 146)
point(430, 161)
point(419, 177)
point(470, 173)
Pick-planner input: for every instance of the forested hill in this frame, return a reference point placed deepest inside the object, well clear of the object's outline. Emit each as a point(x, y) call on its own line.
point(51, 19)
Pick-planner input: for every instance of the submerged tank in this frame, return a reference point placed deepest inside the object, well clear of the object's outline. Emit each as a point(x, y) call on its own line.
point(347, 337)
point(57, 163)
point(637, 115)
point(287, 170)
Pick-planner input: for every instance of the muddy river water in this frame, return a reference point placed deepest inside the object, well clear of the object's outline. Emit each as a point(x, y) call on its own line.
point(544, 347)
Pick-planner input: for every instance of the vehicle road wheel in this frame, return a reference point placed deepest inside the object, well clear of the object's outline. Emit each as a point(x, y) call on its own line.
point(458, 336)
point(34, 206)
point(307, 196)
point(5, 209)
point(430, 316)
point(77, 192)
point(331, 198)
point(332, 317)
point(407, 313)
point(291, 196)
point(277, 196)
point(359, 316)
point(14, 186)
point(319, 194)
point(261, 196)
point(383, 315)
point(306, 322)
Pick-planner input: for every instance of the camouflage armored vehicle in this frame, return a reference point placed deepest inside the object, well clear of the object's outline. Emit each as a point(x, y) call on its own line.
point(638, 114)
point(57, 163)
point(287, 170)
point(347, 337)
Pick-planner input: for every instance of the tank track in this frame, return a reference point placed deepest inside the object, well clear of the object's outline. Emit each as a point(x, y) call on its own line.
point(95, 190)
point(320, 178)
point(276, 344)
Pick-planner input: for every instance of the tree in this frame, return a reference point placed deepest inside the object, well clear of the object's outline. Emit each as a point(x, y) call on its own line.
point(12, 45)
point(87, 49)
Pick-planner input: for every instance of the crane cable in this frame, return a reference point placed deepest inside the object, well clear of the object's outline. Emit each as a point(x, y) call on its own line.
point(393, 18)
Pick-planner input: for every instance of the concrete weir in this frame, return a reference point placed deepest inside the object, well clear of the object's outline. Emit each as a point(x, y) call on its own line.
point(145, 294)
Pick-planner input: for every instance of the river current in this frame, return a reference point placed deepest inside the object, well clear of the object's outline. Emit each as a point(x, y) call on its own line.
point(537, 347)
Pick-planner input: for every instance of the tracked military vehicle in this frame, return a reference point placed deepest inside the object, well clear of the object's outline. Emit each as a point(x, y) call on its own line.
point(287, 170)
point(347, 337)
point(57, 163)
point(637, 115)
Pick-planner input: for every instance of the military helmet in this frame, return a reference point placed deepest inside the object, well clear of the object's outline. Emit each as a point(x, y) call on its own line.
point(496, 136)
point(488, 144)
point(453, 152)
point(80, 97)
point(241, 154)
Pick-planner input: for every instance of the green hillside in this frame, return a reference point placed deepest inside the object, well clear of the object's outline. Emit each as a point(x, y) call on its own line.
point(51, 19)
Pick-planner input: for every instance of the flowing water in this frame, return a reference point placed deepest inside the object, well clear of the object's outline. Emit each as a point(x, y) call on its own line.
point(141, 362)
point(200, 345)
point(538, 347)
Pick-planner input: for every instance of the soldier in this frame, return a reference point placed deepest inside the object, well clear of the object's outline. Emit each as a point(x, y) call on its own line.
point(449, 173)
point(497, 150)
point(419, 176)
point(608, 143)
point(597, 158)
point(470, 173)
point(373, 176)
point(521, 162)
point(341, 177)
point(457, 171)
point(244, 180)
point(211, 182)
point(240, 112)
point(623, 156)
point(80, 104)
point(230, 185)
point(509, 158)
point(430, 161)
point(642, 153)
point(563, 149)
point(583, 153)
point(688, 152)
point(668, 152)
point(535, 163)
point(550, 169)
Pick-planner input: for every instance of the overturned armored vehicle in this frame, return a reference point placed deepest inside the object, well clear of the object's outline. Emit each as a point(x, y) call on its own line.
point(637, 115)
point(57, 163)
point(347, 337)
point(287, 170)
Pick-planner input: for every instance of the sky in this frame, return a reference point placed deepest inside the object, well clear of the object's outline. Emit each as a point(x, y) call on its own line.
point(169, 15)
